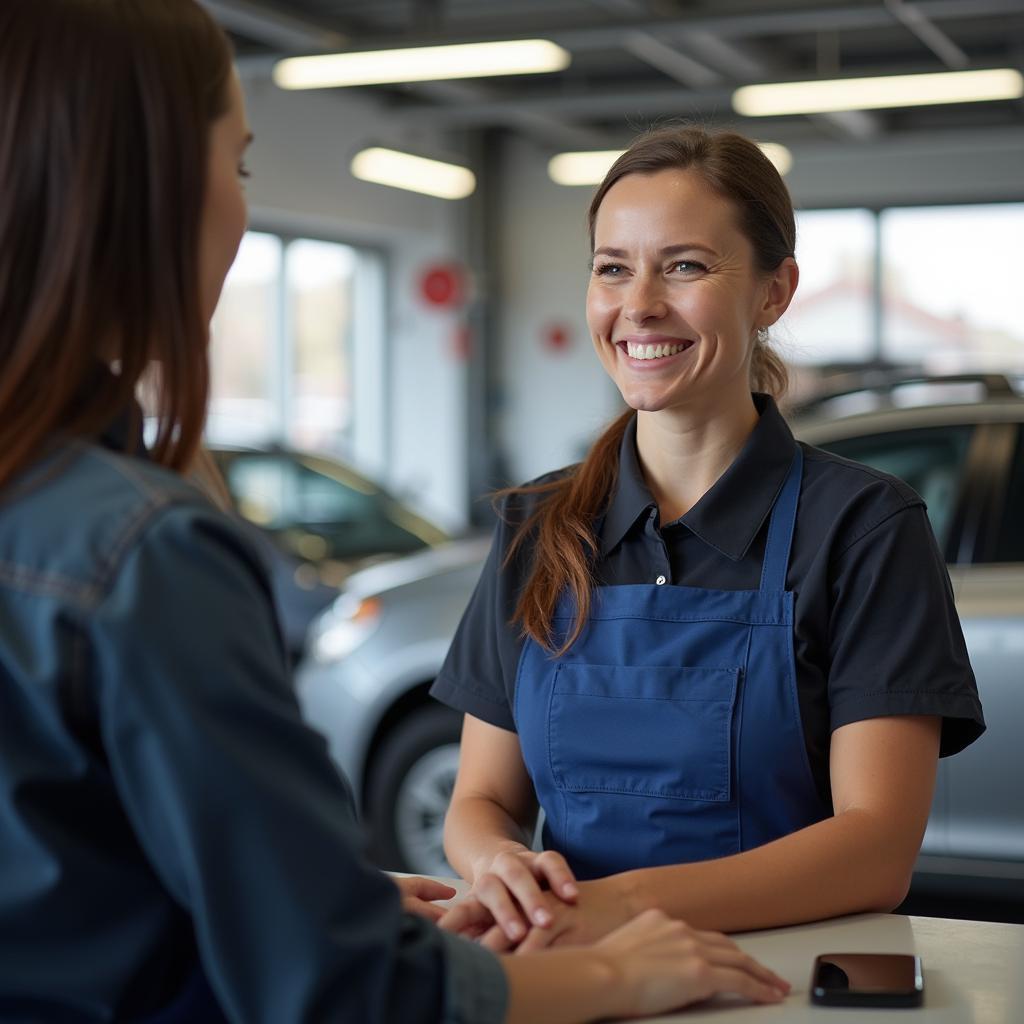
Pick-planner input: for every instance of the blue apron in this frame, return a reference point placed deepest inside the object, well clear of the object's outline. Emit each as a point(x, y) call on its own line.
point(670, 731)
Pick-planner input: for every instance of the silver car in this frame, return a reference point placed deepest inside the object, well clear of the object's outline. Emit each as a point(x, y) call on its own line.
point(959, 442)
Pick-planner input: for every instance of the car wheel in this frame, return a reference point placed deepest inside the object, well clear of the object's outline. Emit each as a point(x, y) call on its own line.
point(410, 786)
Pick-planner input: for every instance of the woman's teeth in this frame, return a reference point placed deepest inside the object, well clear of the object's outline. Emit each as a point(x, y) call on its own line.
point(637, 351)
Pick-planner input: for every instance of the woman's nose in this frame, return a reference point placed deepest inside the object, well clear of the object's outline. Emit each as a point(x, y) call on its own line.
point(645, 300)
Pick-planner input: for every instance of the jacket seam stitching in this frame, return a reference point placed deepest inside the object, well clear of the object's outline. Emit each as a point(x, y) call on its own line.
point(48, 583)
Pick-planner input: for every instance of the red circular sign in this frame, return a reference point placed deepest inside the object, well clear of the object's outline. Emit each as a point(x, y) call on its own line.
point(557, 337)
point(442, 285)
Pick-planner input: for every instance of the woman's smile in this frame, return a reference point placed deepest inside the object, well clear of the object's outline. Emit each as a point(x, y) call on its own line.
point(653, 352)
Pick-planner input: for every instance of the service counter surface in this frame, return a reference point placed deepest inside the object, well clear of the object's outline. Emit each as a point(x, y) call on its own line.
point(973, 970)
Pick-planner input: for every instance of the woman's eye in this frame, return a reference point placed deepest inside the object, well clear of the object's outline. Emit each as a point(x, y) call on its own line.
point(607, 270)
point(243, 171)
point(688, 266)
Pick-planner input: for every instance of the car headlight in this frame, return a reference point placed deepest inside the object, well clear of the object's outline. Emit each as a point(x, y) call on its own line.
point(344, 627)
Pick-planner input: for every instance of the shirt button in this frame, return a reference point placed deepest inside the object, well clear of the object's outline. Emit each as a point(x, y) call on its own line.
point(660, 580)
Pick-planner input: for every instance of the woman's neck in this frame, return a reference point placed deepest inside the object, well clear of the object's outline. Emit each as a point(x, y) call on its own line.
point(684, 450)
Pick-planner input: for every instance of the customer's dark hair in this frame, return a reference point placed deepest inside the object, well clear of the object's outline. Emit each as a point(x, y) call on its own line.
point(105, 111)
point(562, 535)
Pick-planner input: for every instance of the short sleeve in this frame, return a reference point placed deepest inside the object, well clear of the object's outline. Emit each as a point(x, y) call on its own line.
point(473, 678)
point(895, 642)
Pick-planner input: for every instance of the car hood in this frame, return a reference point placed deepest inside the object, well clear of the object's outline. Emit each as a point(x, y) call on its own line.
point(400, 572)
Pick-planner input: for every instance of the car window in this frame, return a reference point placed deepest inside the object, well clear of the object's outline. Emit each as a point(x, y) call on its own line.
point(312, 514)
point(1010, 538)
point(931, 460)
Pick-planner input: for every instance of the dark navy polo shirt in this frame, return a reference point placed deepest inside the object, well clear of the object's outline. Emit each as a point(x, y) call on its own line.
point(875, 629)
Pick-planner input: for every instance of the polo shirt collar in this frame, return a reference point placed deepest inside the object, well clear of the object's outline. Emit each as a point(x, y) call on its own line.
point(730, 515)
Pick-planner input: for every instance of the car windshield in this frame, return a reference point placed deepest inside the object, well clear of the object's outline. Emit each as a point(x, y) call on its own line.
point(319, 510)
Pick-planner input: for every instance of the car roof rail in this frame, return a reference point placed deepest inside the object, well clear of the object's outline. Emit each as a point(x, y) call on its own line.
point(882, 384)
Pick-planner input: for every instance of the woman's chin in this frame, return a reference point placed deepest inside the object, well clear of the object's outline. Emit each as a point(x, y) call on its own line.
point(642, 400)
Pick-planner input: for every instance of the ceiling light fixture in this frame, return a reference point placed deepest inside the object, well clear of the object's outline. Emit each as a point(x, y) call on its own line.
point(421, 64)
point(589, 168)
point(833, 95)
point(413, 173)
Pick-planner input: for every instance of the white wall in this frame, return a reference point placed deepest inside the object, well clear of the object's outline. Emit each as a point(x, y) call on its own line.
point(301, 183)
point(554, 401)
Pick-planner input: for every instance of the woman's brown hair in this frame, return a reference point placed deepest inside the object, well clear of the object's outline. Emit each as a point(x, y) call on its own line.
point(562, 529)
point(105, 110)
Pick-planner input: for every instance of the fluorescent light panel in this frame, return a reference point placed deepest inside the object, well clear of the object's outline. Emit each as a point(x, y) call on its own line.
point(589, 168)
point(877, 93)
point(421, 64)
point(413, 173)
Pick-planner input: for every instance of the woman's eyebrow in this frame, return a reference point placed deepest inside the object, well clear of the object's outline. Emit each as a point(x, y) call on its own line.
point(668, 250)
point(672, 250)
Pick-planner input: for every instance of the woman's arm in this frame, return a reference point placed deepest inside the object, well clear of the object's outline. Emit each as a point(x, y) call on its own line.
point(493, 807)
point(650, 965)
point(489, 828)
point(883, 775)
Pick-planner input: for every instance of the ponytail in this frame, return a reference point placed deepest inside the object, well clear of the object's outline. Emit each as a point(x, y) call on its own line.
point(564, 540)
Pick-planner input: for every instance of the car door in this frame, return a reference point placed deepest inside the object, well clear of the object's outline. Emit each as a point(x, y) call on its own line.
point(986, 809)
point(939, 462)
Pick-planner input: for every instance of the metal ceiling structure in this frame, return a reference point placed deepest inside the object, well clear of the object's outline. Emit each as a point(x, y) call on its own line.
point(635, 61)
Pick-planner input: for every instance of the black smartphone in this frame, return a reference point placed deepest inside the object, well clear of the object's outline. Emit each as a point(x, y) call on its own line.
point(867, 979)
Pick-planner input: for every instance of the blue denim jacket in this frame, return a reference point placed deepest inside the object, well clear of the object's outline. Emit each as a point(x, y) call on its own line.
point(162, 804)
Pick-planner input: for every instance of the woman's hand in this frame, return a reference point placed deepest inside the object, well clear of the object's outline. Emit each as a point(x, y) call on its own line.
point(417, 893)
point(519, 890)
point(663, 964)
point(600, 907)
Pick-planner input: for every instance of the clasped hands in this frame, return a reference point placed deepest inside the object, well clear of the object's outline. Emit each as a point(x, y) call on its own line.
point(524, 901)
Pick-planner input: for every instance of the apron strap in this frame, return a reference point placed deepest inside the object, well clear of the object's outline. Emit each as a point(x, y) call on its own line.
point(780, 528)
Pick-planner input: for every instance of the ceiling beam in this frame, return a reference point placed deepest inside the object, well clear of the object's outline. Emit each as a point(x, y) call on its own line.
point(590, 104)
point(737, 62)
point(581, 37)
point(274, 28)
point(929, 33)
point(670, 61)
point(538, 124)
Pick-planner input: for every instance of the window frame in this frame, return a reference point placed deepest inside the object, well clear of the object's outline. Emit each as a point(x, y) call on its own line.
point(367, 437)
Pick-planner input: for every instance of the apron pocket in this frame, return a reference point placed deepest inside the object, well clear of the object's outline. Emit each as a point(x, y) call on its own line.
point(663, 731)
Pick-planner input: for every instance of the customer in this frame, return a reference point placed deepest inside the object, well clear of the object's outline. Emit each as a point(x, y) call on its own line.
point(723, 663)
point(174, 842)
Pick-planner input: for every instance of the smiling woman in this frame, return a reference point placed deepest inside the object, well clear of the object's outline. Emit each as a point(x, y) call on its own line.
point(707, 651)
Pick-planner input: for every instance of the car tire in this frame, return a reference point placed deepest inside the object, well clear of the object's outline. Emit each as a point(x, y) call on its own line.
point(409, 787)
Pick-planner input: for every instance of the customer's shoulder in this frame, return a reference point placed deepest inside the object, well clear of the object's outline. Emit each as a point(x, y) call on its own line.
point(78, 513)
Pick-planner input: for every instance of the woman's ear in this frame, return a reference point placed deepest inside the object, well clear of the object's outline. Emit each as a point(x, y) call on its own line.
point(779, 291)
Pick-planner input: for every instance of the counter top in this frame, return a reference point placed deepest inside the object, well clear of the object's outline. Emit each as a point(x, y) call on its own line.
point(973, 970)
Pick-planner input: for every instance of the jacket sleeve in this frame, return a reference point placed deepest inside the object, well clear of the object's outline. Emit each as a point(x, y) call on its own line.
point(239, 809)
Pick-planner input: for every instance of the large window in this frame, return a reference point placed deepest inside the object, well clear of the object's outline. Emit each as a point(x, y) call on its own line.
point(295, 318)
point(929, 287)
point(951, 280)
point(831, 319)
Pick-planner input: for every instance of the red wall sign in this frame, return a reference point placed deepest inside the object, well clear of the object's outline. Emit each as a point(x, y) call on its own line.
point(443, 285)
point(557, 337)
